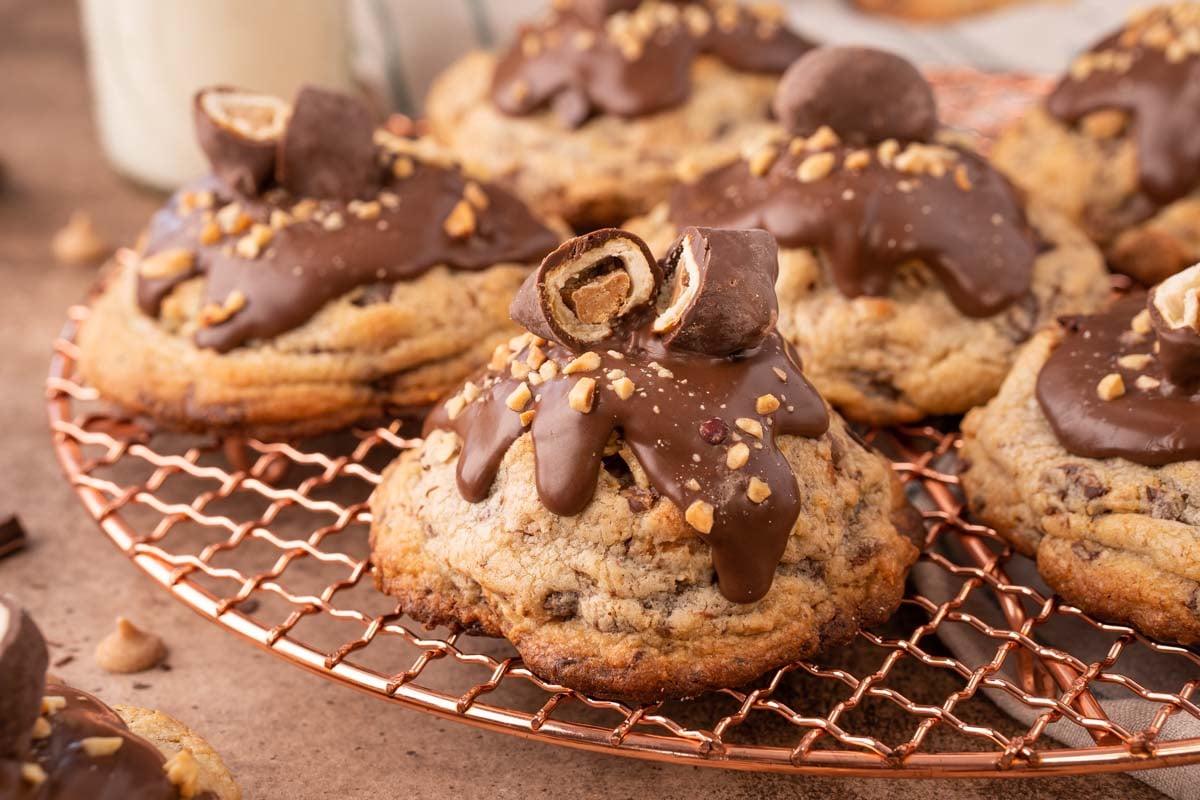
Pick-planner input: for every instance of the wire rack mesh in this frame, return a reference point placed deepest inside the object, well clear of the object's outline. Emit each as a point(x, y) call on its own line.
point(268, 539)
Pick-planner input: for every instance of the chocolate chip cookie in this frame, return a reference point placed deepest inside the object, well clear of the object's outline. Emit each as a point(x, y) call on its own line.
point(1114, 145)
point(1089, 460)
point(588, 110)
point(910, 270)
point(643, 493)
point(325, 272)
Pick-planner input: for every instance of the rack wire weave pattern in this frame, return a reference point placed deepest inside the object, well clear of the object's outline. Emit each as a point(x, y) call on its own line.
point(274, 549)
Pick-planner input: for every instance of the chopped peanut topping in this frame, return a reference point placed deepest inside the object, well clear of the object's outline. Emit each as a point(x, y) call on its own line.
point(460, 223)
point(41, 728)
point(1111, 386)
point(52, 704)
point(499, 357)
point(586, 362)
point(757, 491)
point(402, 167)
point(762, 160)
point(548, 370)
point(1135, 360)
point(252, 244)
point(766, 404)
point(779, 374)
point(737, 456)
point(1147, 383)
point(474, 194)
point(100, 746)
point(455, 405)
point(213, 314)
point(624, 388)
point(750, 426)
point(1141, 323)
point(33, 774)
point(816, 167)
point(857, 161)
point(183, 771)
point(536, 357)
point(167, 263)
point(232, 219)
point(582, 395)
point(527, 417)
point(519, 397)
point(700, 516)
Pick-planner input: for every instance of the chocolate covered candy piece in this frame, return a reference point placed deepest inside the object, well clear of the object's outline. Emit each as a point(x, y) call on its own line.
point(239, 131)
point(719, 293)
point(1175, 315)
point(865, 95)
point(23, 661)
point(328, 148)
point(584, 289)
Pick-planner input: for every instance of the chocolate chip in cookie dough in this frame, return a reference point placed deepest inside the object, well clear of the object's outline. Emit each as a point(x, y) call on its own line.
point(865, 95)
point(327, 149)
point(239, 132)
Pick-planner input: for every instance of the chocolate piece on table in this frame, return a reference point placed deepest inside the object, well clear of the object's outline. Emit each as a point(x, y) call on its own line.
point(23, 662)
point(327, 149)
point(720, 287)
point(239, 132)
point(12, 536)
point(866, 96)
point(582, 290)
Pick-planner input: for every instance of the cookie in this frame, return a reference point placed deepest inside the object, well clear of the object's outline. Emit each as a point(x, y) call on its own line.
point(655, 503)
point(70, 744)
point(587, 112)
point(910, 270)
point(1088, 461)
point(1113, 146)
point(932, 10)
point(325, 273)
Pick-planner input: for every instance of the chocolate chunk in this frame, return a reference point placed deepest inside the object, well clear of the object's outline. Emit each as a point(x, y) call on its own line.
point(719, 296)
point(584, 289)
point(23, 661)
point(1175, 316)
point(865, 95)
point(328, 148)
point(12, 536)
point(239, 131)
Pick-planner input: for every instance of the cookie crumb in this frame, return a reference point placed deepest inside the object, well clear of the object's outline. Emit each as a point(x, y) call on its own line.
point(129, 649)
point(183, 772)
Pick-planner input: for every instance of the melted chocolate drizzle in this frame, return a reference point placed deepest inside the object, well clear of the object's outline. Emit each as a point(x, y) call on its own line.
point(306, 264)
point(967, 224)
point(676, 394)
point(1152, 426)
point(133, 772)
point(580, 64)
point(1160, 92)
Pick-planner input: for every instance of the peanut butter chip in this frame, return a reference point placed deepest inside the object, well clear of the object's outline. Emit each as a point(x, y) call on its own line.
point(129, 649)
point(167, 263)
point(737, 456)
point(582, 395)
point(750, 426)
point(700, 516)
point(1111, 386)
point(757, 491)
point(101, 746)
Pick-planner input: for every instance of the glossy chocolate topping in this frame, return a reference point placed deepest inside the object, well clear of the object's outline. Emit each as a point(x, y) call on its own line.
point(1151, 71)
point(631, 59)
point(871, 210)
point(702, 427)
point(23, 660)
point(375, 211)
point(1149, 419)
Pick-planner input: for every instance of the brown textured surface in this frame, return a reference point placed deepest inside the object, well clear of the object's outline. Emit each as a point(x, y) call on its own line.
point(283, 733)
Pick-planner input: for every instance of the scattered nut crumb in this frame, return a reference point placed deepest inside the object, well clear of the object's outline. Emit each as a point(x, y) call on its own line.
point(519, 397)
point(887, 151)
point(700, 516)
point(499, 357)
point(762, 160)
point(824, 138)
point(100, 746)
point(78, 242)
point(333, 221)
point(1147, 383)
point(402, 167)
point(369, 209)
point(1111, 386)
point(129, 649)
point(737, 456)
point(1141, 322)
point(757, 491)
point(961, 179)
point(780, 374)
point(693, 484)
point(857, 160)
point(1135, 360)
point(251, 245)
point(816, 167)
point(232, 219)
point(582, 395)
point(460, 223)
point(548, 370)
point(750, 426)
point(210, 232)
point(536, 357)
point(587, 362)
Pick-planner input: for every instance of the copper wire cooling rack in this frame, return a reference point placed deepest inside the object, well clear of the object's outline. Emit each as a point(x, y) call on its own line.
point(268, 539)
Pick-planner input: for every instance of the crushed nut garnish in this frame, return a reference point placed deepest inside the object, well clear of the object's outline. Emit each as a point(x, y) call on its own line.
point(766, 404)
point(52, 704)
point(779, 374)
point(41, 728)
point(1141, 322)
point(816, 167)
point(693, 484)
point(167, 263)
point(750, 426)
point(1147, 383)
point(232, 219)
point(519, 397)
point(582, 395)
point(100, 746)
point(700, 516)
point(1135, 360)
point(624, 388)
point(455, 405)
point(737, 456)
point(183, 771)
point(1111, 386)
point(474, 194)
point(585, 362)
point(460, 223)
point(251, 245)
point(214, 314)
point(762, 160)
point(757, 491)
point(33, 774)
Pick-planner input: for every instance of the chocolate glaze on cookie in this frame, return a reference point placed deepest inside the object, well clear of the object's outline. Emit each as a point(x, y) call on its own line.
point(1151, 71)
point(51, 760)
point(872, 209)
point(701, 425)
point(630, 58)
point(273, 258)
point(1151, 420)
